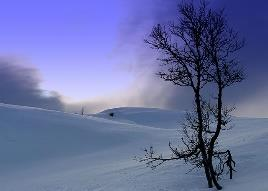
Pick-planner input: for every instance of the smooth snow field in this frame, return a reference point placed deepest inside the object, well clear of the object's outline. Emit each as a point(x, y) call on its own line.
point(44, 150)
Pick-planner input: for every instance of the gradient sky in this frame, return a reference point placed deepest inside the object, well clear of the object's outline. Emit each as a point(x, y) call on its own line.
point(70, 42)
point(92, 51)
point(75, 44)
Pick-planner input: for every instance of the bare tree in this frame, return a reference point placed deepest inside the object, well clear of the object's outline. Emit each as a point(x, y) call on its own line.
point(198, 50)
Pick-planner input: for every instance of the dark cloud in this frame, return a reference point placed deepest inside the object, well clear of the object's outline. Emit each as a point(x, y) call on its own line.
point(19, 85)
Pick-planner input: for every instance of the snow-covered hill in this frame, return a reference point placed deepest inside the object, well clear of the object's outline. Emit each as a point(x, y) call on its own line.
point(152, 117)
point(43, 150)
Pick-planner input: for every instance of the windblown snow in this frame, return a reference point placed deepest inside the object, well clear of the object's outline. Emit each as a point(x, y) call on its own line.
point(43, 150)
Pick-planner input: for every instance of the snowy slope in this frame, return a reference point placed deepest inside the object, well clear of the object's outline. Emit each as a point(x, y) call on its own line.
point(153, 117)
point(53, 151)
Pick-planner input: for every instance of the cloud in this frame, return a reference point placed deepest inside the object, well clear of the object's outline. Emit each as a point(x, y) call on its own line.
point(19, 85)
point(248, 19)
point(140, 61)
point(145, 91)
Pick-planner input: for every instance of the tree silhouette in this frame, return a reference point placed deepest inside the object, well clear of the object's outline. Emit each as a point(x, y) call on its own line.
point(199, 50)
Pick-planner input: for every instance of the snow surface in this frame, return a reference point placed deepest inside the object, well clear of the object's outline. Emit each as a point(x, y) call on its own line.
point(43, 150)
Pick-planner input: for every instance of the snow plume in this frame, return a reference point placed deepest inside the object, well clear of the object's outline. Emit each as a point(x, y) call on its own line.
point(135, 57)
point(19, 85)
point(248, 20)
point(147, 90)
point(140, 61)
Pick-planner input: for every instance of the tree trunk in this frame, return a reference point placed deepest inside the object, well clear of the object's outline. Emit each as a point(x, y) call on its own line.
point(200, 139)
point(208, 174)
point(214, 179)
point(217, 133)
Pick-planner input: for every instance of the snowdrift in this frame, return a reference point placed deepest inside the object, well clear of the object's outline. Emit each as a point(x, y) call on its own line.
point(54, 151)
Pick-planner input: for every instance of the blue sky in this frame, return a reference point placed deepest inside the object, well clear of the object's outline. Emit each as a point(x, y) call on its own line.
point(71, 43)
point(92, 52)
